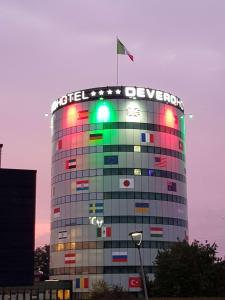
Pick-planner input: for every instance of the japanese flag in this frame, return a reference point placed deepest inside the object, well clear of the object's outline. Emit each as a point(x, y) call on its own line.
point(126, 183)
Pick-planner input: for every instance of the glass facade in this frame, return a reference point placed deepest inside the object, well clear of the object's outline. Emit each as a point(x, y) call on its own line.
point(118, 165)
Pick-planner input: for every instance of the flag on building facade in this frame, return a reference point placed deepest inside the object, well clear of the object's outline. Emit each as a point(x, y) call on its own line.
point(95, 208)
point(82, 185)
point(95, 136)
point(104, 231)
point(82, 283)
point(121, 49)
point(180, 145)
point(160, 161)
point(171, 186)
point(59, 145)
point(156, 231)
point(62, 234)
point(126, 183)
point(69, 258)
point(56, 212)
point(71, 164)
point(83, 114)
point(134, 282)
point(119, 257)
point(111, 160)
point(147, 137)
point(141, 207)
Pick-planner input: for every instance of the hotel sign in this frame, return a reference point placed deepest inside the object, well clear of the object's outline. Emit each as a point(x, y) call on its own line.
point(118, 92)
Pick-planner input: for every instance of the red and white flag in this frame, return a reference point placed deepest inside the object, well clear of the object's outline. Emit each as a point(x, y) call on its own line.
point(121, 49)
point(134, 282)
point(69, 258)
point(59, 145)
point(126, 183)
point(56, 212)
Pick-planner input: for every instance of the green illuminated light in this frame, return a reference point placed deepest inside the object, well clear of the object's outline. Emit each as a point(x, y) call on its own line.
point(103, 113)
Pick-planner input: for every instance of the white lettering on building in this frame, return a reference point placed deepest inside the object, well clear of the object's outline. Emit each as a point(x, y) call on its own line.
point(130, 92)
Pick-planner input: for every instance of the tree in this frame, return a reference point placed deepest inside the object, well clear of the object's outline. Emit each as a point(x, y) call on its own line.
point(101, 291)
point(41, 261)
point(189, 270)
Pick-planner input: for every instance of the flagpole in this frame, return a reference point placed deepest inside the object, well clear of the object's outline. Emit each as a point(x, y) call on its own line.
point(117, 69)
point(117, 62)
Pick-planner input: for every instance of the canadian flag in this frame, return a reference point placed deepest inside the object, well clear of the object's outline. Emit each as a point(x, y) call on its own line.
point(126, 183)
point(134, 282)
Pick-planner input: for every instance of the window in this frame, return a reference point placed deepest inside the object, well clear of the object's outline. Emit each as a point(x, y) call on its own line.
point(123, 219)
point(137, 148)
point(137, 171)
point(92, 245)
point(92, 270)
point(79, 151)
point(85, 245)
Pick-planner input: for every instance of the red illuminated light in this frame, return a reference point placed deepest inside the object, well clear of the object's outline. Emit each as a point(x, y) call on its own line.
point(71, 116)
point(170, 118)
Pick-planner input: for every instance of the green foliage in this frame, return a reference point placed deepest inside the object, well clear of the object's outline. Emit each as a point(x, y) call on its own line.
point(41, 261)
point(101, 291)
point(189, 271)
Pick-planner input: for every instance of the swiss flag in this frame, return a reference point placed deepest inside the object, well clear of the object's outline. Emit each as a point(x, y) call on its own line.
point(134, 282)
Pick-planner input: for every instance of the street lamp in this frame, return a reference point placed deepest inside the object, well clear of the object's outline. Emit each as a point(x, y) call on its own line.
point(136, 237)
point(190, 116)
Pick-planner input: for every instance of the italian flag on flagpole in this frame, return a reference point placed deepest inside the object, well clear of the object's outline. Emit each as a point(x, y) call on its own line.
point(121, 49)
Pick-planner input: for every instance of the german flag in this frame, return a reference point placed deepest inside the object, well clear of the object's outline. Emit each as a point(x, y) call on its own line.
point(95, 136)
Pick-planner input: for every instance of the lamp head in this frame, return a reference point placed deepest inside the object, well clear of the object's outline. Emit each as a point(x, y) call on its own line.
point(136, 237)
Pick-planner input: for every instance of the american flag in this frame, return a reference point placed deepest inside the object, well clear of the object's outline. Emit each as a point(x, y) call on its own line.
point(160, 161)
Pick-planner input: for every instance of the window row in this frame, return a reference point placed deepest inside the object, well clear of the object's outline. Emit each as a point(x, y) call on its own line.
point(118, 171)
point(109, 244)
point(117, 125)
point(144, 172)
point(121, 220)
point(119, 195)
point(118, 148)
point(100, 270)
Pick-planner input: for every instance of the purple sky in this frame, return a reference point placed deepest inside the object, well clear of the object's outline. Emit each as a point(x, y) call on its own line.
point(52, 47)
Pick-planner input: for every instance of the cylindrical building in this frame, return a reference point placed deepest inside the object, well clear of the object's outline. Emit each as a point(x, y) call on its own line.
point(118, 165)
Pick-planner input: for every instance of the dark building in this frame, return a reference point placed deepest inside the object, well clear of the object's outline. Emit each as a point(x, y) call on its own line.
point(17, 226)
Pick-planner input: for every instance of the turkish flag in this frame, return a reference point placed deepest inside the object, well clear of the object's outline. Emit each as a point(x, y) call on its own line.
point(134, 282)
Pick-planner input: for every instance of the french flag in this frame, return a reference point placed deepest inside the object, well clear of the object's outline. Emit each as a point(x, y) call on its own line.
point(147, 137)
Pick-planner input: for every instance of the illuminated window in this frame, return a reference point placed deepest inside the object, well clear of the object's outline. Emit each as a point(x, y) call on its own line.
point(137, 148)
point(60, 247)
point(137, 171)
point(73, 246)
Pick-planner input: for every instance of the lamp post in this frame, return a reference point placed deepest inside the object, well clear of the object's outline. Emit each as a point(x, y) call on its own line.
point(136, 237)
point(190, 116)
